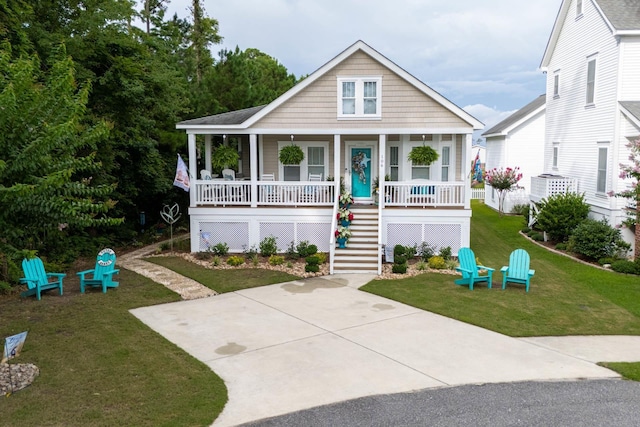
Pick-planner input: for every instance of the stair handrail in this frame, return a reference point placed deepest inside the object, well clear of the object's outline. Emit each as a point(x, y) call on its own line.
point(332, 238)
point(381, 200)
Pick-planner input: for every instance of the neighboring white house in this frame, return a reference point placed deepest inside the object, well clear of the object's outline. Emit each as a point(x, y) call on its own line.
point(592, 61)
point(518, 141)
point(357, 118)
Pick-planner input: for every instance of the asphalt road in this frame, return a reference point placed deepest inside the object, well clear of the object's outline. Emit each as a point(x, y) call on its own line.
point(568, 403)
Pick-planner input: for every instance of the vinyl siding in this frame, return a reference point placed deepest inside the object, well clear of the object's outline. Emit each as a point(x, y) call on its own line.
point(570, 121)
point(630, 69)
point(403, 106)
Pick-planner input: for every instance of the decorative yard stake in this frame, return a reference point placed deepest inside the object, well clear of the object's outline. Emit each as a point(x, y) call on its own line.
point(170, 215)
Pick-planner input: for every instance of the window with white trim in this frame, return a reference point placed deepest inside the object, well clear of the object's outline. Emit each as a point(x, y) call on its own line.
point(445, 162)
point(601, 180)
point(591, 81)
point(316, 159)
point(556, 84)
point(555, 154)
point(359, 97)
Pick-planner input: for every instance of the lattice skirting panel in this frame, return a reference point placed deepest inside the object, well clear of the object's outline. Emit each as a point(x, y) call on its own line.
point(437, 235)
point(242, 235)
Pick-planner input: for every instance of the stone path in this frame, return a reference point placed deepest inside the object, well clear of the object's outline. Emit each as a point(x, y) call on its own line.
point(187, 288)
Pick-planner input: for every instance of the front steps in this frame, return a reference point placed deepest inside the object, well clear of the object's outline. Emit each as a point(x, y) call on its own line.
point(361, 254)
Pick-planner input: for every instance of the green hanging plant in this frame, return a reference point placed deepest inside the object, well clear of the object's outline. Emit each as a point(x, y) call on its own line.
point(423, 155)
point(291, 155)
point(224, 156)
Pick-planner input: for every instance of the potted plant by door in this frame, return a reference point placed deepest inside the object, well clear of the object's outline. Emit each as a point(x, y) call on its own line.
point(345, 216)
point(423, 155)
point(291, 155)
point(342, 236)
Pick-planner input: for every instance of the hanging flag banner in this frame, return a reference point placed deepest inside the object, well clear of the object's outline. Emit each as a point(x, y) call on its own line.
point(13, 346)
point(182, 175)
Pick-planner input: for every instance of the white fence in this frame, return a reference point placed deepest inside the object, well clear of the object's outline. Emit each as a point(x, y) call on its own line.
point(477, 193)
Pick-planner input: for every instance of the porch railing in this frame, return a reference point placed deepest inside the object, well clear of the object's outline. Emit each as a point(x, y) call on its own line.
point(546, 185)
point(270, 193)
point(428, 193)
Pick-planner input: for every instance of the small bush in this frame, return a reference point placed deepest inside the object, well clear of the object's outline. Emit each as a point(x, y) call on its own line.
point(276, 260)
point(165, 246)
point(5, 287)
point(597, 239)
point(399, 268)
point(607, 260)
point(526, 230)
point(304, 249)
point(561, 246)
point(268, 246)
point(203, 256)
point(220, 249)
point(398, 250)
point(312, 260)
point(289, 264)
point(560, 214)
point(426, 251)
point(311, 268)
point(437, 262)
point(322, 256)
point(538, 237)
point(411, 251)
point(216, 261)
point(250, 252)
point(235, 260)
point(400, 259)
point(445, 253)
point(421, 265)
point(520, 209)
point(625, 266)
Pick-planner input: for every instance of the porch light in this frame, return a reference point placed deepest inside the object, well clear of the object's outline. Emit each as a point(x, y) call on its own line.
point(143, 220)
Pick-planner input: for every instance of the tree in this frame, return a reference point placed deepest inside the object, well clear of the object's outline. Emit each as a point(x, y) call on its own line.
point(632, 171)
point(503, 181)
point(204, 32)
point(47, 154)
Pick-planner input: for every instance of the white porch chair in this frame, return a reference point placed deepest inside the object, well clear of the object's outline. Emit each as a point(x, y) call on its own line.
point(205, 174)
point(228, 174)
point(268, 191)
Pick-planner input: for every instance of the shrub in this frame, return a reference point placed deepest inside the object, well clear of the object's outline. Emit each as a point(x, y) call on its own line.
point(445, 253)
point(561, 246)
point(399, 268)
point(203, 256)
point(220, 249)
point(322, 256)
point(276, 260)
point(165, 246)
point(398, 250)
point(304, 249)
point(597, 239)
point(521, 209)
point(538, 237)
point(437, 262)
point(410, 251)
point(291, 251)
point(526, 230)
point(311, 268)
point(421, 265)
point(268, 246)
point(560, 214)
point(251, 251)
point(607, 260)
point(289, 264)
point(312, 260)
point(426, 251)
point(235, 260)
point(5, 287)
point(400, 259)
point(625, 266)
point(216, 261)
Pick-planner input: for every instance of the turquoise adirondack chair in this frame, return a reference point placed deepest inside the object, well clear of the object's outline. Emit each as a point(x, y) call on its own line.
point(518, 270)
point(471, 271)
point(102, 274)
point(37, 279)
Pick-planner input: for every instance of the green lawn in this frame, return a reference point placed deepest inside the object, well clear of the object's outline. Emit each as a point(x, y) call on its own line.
point(566, 297)
point(221, 281)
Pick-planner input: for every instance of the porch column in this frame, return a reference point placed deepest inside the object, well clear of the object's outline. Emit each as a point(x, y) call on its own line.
point(207, 153)
point(336, 163)
point(466, 169)
point(253, 160)
point(193, 169)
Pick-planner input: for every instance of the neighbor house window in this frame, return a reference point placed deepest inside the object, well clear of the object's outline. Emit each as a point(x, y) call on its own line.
point(556, 85)
point(556, 151)
point(578, 8)
point(394, 164)
point(591, 81)
point(445, 162)
point(601, 180)
point(359, 97)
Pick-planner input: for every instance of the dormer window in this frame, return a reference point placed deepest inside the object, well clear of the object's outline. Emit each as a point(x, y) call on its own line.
point(359, 98)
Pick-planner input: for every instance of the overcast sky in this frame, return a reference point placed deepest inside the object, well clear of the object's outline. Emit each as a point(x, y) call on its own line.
point(484, 55)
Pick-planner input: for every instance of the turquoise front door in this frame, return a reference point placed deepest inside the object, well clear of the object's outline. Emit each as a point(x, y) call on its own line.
point(361, 172)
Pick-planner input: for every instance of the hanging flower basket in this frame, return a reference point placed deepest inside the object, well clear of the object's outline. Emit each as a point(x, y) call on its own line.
point(224, 157)
point(291, 155)
point(423, 155)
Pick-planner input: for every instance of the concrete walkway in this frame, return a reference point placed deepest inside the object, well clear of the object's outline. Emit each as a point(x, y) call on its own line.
point(296, 345)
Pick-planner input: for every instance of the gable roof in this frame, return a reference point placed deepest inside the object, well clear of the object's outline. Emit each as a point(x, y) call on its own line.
point(517, 118)
point(621, 16)
point(631, 110)
point(253, 116)
point(230, 118)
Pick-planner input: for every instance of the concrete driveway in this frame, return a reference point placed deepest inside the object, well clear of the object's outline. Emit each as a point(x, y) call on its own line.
point(296, 345)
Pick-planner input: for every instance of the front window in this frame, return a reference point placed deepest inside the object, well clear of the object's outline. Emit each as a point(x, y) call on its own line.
point(394, 165)
point(601, 183)
point(359, 97)
point(445, 163)
point(591, 81)
point(315, 161)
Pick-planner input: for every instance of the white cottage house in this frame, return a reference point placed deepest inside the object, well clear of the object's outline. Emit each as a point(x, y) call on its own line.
point(356, 118)
point(518, 141)
point(592, 61)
